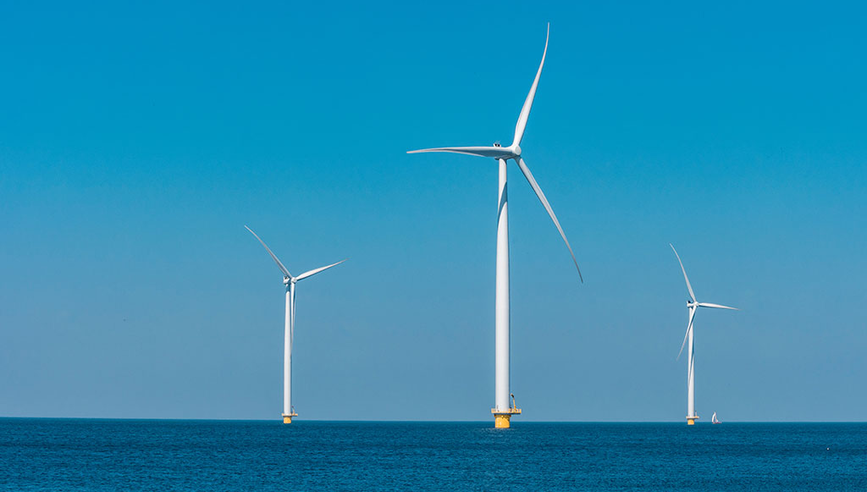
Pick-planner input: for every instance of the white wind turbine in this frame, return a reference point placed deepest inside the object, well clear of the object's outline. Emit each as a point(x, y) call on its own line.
point(692, 305)
point(503, 411)
point(289, 326)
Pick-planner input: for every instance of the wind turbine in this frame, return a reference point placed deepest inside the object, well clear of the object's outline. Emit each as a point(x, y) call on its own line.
point(503, 411)
point(289, 326)
point(692, 305)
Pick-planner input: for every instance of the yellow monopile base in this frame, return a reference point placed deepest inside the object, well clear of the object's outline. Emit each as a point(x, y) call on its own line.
point(691, 420)
point(287, 417)
point(502, 418)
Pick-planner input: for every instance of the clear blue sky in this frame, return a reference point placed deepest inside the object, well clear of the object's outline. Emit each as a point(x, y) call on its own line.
point(136, 140)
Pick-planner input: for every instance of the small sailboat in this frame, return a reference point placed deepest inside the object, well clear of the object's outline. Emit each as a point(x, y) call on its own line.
point(714, 420)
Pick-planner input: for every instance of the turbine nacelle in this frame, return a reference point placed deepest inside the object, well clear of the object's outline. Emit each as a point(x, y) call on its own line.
point(511, 152)
point(514, 151)
point(290, 280)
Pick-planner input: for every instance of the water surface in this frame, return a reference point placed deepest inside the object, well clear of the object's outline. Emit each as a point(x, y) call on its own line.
point(85, 454)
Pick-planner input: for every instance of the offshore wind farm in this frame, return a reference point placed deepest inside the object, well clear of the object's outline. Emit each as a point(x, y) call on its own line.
point(140, 329)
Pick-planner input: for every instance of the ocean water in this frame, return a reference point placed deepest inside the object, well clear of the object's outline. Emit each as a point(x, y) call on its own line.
point(84, 454)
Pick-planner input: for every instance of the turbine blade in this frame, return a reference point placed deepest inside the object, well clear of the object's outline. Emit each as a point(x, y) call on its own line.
point(280, 265)
point(689, 287)
point(314, 272)
point(535, 186)
point(495, 152)
point(528, 103)
point(688, 329)
point(718, 306)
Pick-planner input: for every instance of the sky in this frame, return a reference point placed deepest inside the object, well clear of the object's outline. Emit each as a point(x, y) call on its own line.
point(137, 140)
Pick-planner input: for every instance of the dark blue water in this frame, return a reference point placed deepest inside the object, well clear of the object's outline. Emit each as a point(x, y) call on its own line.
point(47, 454)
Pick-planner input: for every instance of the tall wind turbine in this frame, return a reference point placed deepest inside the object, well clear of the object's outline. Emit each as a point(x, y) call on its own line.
point(503, 411)
point(289, 326)
point(692, 305)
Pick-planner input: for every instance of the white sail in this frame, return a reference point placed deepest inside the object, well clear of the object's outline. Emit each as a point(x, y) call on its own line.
point(713, 418)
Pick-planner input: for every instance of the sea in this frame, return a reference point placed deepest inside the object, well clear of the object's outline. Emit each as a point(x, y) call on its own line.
point(111, 455)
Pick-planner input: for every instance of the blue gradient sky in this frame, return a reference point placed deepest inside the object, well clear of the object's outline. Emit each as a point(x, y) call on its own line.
point(136, 140)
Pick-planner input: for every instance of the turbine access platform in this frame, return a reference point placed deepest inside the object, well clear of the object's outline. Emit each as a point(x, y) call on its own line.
point(287, 417)
point(502, 417)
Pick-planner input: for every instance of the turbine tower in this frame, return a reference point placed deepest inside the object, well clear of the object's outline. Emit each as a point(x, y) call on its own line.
point(502, 410)
point(692, 305)
point(289, 326)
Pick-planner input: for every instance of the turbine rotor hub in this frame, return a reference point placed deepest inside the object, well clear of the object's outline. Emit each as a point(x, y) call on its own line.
point(516, 150)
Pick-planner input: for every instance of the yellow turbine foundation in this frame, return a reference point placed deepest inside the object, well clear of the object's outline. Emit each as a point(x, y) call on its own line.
point(287, 417)
point(502, 418)
point(691, 420)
